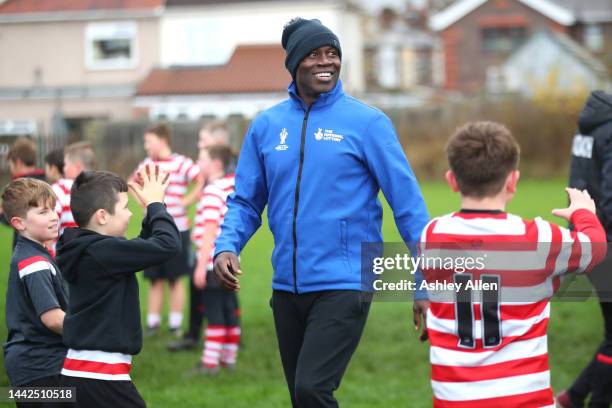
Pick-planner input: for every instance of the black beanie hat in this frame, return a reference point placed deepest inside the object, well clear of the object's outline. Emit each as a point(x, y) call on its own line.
point(301, 36)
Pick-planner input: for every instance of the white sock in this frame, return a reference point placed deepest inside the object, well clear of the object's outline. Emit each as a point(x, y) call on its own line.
point(175, 319)
point(153, 320)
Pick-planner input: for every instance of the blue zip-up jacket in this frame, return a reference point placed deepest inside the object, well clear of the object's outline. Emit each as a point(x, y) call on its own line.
point(319, 170)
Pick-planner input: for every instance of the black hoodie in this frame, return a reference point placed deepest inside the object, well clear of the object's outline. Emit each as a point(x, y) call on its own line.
point(104, 307)
point(591, 166)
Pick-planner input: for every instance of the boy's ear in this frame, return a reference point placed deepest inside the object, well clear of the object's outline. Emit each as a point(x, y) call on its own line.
point(100, 217)
point(512, 181)
point(452, 181)
point(18, 223)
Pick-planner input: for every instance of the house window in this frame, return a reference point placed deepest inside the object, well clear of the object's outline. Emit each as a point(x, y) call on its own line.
point(111, 45)
point(593, 37)
point(502, 39)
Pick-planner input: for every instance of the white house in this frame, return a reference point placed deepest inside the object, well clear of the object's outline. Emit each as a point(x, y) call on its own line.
point(548, 59)
point(81, 58)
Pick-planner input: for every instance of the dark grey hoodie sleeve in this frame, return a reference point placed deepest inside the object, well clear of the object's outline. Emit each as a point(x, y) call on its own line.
point(605, 203)
point(158, 242)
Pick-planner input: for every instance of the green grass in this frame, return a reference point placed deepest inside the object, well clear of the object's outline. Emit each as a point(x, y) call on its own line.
point(390, 367)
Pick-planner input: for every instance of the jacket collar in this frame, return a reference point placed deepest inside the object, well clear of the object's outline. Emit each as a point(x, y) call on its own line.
point(325, 99)
point(31, 243)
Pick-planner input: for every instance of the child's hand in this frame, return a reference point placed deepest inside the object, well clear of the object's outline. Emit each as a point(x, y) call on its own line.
point(199, 275)
point(578, 200)
point(153, 187)
point(138, 181)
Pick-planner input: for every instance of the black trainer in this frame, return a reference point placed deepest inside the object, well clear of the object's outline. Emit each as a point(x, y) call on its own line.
point(186, 343)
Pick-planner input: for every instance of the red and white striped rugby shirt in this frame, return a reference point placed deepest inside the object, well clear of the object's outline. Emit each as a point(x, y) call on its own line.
point(182, 172)
point(500, 360)
point(61, 188)
point(212, 207)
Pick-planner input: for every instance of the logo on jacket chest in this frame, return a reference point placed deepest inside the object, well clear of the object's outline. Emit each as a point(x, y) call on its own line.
point(283, 139)
point(327, 135)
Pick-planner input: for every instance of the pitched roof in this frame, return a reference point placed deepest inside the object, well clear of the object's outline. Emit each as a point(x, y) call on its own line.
point(50, 6)
point(579, 52)
point(461, 8)
point(252, 68)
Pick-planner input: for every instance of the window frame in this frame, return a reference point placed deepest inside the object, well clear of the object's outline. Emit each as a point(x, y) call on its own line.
point(111, 31)
point(514, 44)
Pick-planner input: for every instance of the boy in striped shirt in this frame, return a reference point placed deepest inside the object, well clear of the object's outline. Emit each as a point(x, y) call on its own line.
point(183, 172)
point(220, 306)
point(212, 133)
point(488, 342)
point(78, 157)
point(35, 298)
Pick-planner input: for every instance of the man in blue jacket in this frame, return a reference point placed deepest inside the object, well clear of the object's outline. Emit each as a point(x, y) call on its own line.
point(318, 160)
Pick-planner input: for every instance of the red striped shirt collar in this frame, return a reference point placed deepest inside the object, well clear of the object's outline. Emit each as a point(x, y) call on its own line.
point(469, 213)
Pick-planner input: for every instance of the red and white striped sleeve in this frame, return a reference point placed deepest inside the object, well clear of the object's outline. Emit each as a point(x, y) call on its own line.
point(579, 250)
point(60, 194)
point(212, 206)
point(192, 170)
point(62, 207)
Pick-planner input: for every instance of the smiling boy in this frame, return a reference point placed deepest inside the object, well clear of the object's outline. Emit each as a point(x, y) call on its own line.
point(35, 298)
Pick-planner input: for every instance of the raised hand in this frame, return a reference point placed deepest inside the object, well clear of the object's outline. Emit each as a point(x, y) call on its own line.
point(578, 200)
point(151, 185)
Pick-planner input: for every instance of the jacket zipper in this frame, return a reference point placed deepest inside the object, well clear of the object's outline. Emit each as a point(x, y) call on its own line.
point(297, 196)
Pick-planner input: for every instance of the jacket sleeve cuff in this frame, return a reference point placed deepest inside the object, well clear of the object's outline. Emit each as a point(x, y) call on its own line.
point(155, 207)
point(221, 250)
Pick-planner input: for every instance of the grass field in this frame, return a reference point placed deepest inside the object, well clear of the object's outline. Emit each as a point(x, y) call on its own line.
point(390, 368)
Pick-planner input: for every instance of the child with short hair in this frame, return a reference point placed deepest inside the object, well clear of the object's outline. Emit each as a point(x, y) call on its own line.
point(54, 165)
point(220, 306)
point(102, 327)
point(183, 172)
point(36, 298)
point(77, 157)
point(21, 158)
point(488, 343)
